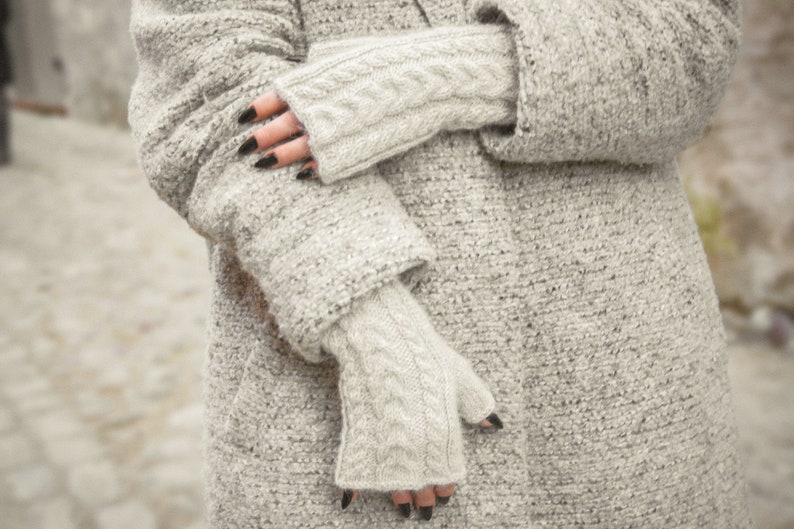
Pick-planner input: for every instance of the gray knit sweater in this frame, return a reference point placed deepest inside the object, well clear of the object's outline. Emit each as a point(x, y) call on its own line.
point(555, 251)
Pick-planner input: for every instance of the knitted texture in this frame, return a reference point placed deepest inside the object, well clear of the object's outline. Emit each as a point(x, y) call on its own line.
point(401, 386)
point(313, 249)
point(579, 289)
point(387, 94)
point(612, 80)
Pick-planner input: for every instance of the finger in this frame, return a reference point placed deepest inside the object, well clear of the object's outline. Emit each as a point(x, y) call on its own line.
point(492, 420)
point(402, 501)
point(425, 500)
point(277, 130)
point(348, 496)
point(443, 493)
point(262, 107)
point(285, 154)
point(308, 170)
point(475, 400)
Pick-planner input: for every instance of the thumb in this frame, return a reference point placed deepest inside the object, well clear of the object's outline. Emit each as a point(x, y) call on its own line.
point(475, 400)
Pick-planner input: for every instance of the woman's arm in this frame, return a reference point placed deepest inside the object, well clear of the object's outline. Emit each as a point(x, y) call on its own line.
point(365, 99)
point(312, 248)
point(633, 81)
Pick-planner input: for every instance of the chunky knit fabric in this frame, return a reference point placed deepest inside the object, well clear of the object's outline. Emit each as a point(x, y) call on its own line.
point(364, 102)
point(558, 255)
point(401, 386)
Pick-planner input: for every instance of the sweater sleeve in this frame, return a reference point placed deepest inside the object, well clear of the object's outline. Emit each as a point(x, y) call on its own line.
point(633, 81)
point(312, 248)
point(364, 99)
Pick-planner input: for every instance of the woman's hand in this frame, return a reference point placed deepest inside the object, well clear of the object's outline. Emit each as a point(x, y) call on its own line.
point(281, 128)
point(424, 499)
point(403, 391)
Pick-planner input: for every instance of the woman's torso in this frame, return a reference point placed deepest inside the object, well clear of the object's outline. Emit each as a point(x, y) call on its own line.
point(582, 296)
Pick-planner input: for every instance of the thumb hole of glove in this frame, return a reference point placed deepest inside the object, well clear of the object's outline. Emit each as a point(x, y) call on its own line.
point(475, 400)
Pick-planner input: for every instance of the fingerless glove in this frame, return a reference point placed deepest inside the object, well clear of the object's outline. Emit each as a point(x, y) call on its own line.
point(389, 93)
point(402, 389)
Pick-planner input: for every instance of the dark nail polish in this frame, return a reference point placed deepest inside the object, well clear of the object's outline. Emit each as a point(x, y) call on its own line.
point(405, 509)
point(267, 161)
point(443, 500)
point(427, 511)
point(495, 420)
point(249, 145)
point(306, 173)
point(347, 497)
point(247, 116)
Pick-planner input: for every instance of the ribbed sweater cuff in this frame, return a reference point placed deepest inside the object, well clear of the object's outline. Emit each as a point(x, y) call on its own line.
point(387, 94)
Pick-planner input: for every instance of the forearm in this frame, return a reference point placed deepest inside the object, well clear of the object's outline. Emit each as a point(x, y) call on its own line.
point(366, 99)
point(637, 84)
point(632, 81)
point(312, 249)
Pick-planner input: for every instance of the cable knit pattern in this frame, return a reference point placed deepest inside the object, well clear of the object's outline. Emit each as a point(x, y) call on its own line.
point(368, 102)
point(575, 285)
point(400, 385)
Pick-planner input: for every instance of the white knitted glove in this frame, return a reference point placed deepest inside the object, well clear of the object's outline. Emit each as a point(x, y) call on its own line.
point(402, 387)
point(370, 102)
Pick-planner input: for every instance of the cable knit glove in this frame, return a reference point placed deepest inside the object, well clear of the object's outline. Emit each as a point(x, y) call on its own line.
point(370, 102)
point(402, 387)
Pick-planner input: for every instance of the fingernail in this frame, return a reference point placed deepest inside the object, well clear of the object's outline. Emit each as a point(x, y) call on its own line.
point(247, 116)
point(267, 161)
point(443, 500)
point(347, 496)
point(427, 511)
point(249, 145)
point(306, 173)
point(405, 509)
point(496, 421)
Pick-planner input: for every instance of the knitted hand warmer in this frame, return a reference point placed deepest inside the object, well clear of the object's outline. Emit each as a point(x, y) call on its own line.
point(375, 100)
point(402, 387)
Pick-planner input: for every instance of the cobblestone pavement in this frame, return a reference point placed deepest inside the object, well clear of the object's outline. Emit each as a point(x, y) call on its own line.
point(104, 292)
point(104, 296)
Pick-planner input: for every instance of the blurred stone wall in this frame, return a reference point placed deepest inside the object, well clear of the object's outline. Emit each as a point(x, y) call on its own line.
point(98, 58)
point(741, 175)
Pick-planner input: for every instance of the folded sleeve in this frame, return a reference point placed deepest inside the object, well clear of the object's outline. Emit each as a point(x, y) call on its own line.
point(364, 99)
point(313, 249)
point(633, 81)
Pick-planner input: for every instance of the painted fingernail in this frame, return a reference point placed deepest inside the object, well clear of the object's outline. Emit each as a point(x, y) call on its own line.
point(443, 500)
point(247, 116)
point(405, 509)
point(306, 173)
point(267, 161)
point(427, 511)
point(347, 496)
point(496, 421)
point(249, 145)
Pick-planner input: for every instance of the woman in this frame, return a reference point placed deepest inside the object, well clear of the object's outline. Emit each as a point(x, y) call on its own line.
point(496, 222)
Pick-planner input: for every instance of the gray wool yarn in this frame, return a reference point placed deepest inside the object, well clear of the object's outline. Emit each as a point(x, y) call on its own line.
point(371, 99)
point(401, 388)
point(557, 254)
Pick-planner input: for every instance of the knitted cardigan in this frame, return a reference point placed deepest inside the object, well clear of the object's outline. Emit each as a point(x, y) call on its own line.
point(557, 254)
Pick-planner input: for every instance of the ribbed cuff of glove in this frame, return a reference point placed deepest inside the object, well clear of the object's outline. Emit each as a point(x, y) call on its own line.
point(401, 387)
point(384, 95)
